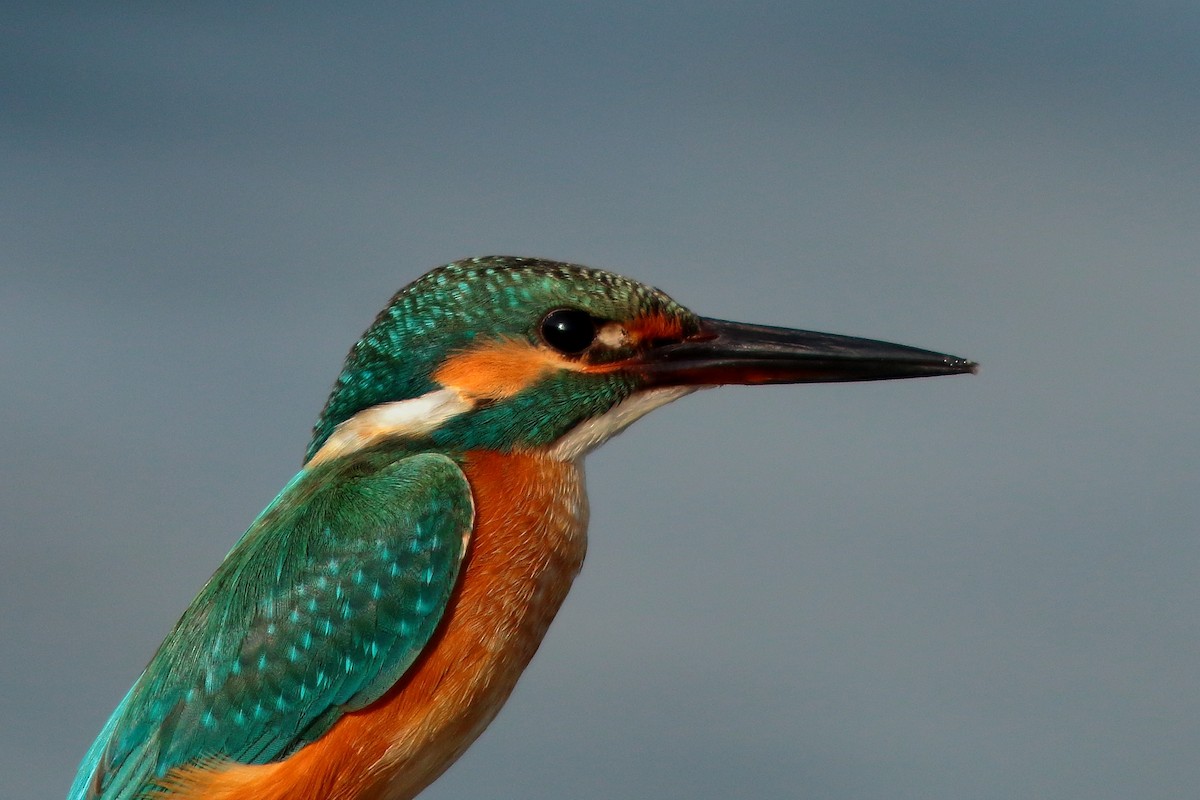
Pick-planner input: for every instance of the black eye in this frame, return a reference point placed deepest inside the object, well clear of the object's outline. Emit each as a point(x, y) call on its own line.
point(568, 330)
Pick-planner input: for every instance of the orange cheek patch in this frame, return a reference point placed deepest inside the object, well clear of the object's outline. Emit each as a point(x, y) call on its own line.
point(498, 369)
point(501, 368)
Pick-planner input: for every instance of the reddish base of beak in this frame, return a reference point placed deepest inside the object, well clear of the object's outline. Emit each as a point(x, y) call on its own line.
point(735, 353)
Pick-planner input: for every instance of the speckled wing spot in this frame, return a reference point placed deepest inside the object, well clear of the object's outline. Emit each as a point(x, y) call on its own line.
point(319, 609)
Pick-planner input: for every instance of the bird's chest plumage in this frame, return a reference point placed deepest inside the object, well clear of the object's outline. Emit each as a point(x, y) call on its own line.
point(526, 547)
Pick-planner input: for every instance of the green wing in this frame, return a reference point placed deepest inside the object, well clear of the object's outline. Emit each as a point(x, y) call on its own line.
point(329, 597)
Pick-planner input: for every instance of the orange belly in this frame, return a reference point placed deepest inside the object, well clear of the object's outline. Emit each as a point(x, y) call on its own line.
point(527, 545)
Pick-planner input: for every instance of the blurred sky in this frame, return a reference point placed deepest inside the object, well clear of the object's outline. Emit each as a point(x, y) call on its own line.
point(962, 587)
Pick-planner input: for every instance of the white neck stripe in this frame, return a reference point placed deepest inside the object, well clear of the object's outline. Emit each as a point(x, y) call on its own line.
point(423, 415)
point(414, 417)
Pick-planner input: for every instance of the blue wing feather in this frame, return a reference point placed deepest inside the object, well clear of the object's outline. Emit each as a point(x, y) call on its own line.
point(321, 606)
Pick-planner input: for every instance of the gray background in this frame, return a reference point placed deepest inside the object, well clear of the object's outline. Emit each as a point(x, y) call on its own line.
point(952, 588)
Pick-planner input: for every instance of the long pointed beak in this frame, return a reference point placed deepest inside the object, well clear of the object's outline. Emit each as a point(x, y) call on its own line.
point(732, 352)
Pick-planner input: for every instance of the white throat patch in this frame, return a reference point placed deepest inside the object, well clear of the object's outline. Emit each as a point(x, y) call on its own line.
point(588, 435)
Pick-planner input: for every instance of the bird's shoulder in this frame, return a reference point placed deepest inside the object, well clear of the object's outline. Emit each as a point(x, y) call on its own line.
point(322, 605)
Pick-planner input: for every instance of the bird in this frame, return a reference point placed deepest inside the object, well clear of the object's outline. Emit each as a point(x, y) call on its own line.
point(376, 615)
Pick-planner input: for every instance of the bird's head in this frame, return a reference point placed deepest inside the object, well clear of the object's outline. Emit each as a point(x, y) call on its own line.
point(511, 354)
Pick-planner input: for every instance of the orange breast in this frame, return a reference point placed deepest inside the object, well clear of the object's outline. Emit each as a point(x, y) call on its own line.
point(527, 546)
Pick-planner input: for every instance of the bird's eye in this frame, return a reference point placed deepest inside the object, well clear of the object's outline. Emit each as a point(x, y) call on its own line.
point(568, 330)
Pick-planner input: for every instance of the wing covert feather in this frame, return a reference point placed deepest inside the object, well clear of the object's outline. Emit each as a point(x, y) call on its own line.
point(321, 606)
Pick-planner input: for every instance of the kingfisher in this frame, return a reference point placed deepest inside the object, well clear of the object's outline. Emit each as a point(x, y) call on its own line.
point(377, 614)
